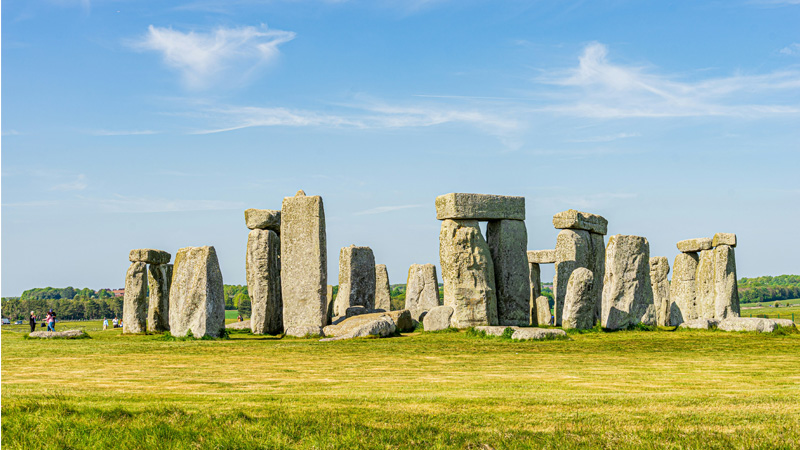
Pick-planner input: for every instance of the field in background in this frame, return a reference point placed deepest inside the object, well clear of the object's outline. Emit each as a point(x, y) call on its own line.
point(765, 308)
point(633, 389)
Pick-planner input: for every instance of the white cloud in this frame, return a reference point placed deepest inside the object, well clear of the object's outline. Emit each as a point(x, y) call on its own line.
point(121, 132)
point(791, 49)
point(229, 54)
point(385, 209)
point(78, 185)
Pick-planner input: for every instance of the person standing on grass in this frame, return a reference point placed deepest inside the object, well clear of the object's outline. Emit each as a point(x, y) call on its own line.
point(51, 321)
point(105, 323)
point(240, 318)
point(115, 322)
point(33, 322)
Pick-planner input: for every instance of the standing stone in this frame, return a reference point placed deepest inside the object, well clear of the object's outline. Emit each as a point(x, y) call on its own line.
point(356, 279)
point(330, 299)
point(659, 268)
point(437, 319)
point(304, 272)
point(468, 274)
point(134, 307)
point(158, 281)
point(544, 316)
point(507, 240)
point(573, 250)
point(705, 296)
point(597, 264)
point(726, 287)
point(196, 297)
point(579, 304)
point(264, 281)
point(536, 290)
point(479, 207)
point(422, 290)
point(627, 293)
point(383, 293)
point(682, 292)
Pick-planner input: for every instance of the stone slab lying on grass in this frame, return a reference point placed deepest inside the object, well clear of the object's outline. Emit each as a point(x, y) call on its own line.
point(695, 245)
point(243, 325)
point(577, 220)
point(437, 319)
point(67, 334)
point(751, 324)
point(700, 324)
point(538, 334)
point(495, 330)
point(479, 207)
point(149, 256)
point(263, 219)
point(381, 327)
point(402, 320)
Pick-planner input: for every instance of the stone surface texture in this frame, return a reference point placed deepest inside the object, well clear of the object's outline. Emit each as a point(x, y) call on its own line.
point(304, 265)
point(507, 240)
point(495, 330)
point(578, 248)
point(66, 334)
point(539, 334)
point(422, 290)
point(579, 304)
point(726, 287)
point(683, 305)
point(704, 285)
point(263, 219)
point(263, 268)
point(330, 299)
point(196, 297)
point(401, 318)
point(149, 256)
point(724, 239)
point(597, 264)
point(542, 256)
point(627, 293)
point(468, 274)
point(748, 324)
point(356, 279)
point(479, 207)
point(544, 316)
point(437, 318)
point(535, 272)
point(383, 292)
point(380, 327)
point(159, 278)
point(695, 245)
point(659, 269)
point(700, 324)
point(576, 220)
point(134, 306)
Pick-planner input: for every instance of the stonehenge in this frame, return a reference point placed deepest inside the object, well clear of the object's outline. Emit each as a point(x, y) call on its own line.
point(659, 269)
point(540, 310)
point(507, 240)
point(422, 290)
point(196, 297)
point(134, 307)
point(627, 293)
point(356, 279)
point(263, 268)
point(437, 318)
point(159, 278)
point(579, 304)
point(149, 269)
point(383, 292)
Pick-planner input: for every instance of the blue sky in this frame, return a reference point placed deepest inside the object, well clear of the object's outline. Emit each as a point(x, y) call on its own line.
point(155, 124)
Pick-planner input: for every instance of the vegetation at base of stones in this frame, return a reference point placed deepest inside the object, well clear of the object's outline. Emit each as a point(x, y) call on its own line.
point(446, 330)
point(767, 288)
point(597, 328)
point(167, 336)
point(506, 336)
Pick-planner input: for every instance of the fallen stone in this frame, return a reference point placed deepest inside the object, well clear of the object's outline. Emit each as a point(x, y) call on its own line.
point(66, 334)
point(380, 327)
point(724, 239)
point(196, 297)
point(542, 256)
point(356, 311)
point(786, 323)
point(263, 270)
point(705, 294)
point(750, 324)
point(700, 324)
point(579, 304)
point(263, 219)
point(695, 245)
point(468, 274)
point(683, 305)
point(576, 220)
point(356, 279)
point(627, 293)
point(437, 318)
point(401, 318)
point(149, 256)
point(422, 290)
point(659, 269)
point(304, 265)
point(495, 330)
point(460, 206)
point(134, 304)
point(543, 314)
point(158, 281)
point(507, 240)
point(726, 303)
point(539, 334)
point(243, 325)
point(383, 293)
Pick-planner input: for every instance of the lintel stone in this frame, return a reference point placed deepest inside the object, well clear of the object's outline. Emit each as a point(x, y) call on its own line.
point(724, 239)
point(542, 256)
point(263, 219)
point(695, 245)
point(577, 220)
point(149, 256)
point(460, 206)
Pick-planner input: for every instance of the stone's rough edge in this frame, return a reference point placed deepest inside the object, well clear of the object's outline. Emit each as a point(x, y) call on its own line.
point(468, 206)
point(149, 255)
point(724, 239)
point(573, 219)
point(694, 245)
point(542, 256)
point(263, 219)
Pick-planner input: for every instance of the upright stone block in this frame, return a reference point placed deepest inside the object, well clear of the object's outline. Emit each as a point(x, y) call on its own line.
point(597, 264)
point(422, 290)
point(383, 293)
point(579, 304)
point(304, 272)
point(263, 219)
point(536, 290)
point(134, 306)
point(627, 292)
point(577, 220)
point(507, 240)
point(726, 287)
point(330, 300)
point(149, 256)
point(159, 279)
point(460, 206)
point(659, 268)
point(573, 250)
point(264, 281)
point(468, 274)
point(682, 290)
point(705, 296)
point(356, 279)
point(196, 297)
point(544, 316)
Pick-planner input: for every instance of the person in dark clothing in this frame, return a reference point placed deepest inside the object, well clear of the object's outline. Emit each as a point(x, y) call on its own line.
point(33, 322)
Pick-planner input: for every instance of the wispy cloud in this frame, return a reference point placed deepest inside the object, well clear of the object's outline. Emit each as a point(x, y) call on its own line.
point(229, 54)
point(791, 49)
point(11, 133)
point(77, 185)
point(121, 132)
point(385, 209)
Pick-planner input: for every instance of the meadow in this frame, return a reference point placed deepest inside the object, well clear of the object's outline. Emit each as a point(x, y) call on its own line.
point(631, 389)
point(766, 309)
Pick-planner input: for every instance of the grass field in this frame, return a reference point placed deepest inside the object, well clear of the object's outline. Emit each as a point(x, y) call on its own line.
point(766, 308)
point(632, 389)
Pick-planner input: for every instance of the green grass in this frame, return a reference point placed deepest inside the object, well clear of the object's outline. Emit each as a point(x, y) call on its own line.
point(629, 389)
point(231, 314)
point(765, 308)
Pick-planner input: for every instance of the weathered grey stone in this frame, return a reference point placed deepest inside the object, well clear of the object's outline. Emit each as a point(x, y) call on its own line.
point(573, 250)
point(495, 330)
point(597, 264)
point(134, 306)
point(66, 334)
point(705, 296)
point(437, 318)
point(264, 282)
point(576, 220)
point(539, 334)
point(196, 297)
point(460, 206)
point(356, 311)
point(383, 293)
point(627, 293)
point(263, 219)
point(785, 323)
point(542, 256)
point(422, 290)
point(468, 274)
point(579, 304)
point(535, 289)
point(694, 245)
point(748, 324)
point(149, 256)
point(507, 240)
point(356, 279)
point(659, 269)
point(724, 239)
point(401, 318)
point(304, 265)
point(330, 300)
point(158, 281)
point(700, 324)
point(380, 327)
point(683, 304)
point(243, 325)
point(543, 314)
point(726, 303)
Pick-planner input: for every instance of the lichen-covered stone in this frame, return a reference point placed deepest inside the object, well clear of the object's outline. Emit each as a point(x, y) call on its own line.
point(535, 289)
point(543, 314)
point(149, 256)
point(627, 293)
point(356, 310)
point(659, 269)
point(542, 256)
point(383, 293)
point(748, 324)
point(468, 274)
point(495, 330)
point(576, 220)
point(705, 295)
point(158, 281)
point(264, 282)
point(304, 265)
point(330, 300)
point(700, 324)
point(726, 303)
point(579, 304)
point(682, 291)
point(263, 219)
point(381, 327)
point(422, 290)
point(507, 240)
point(437, 319)
point(401, 318)
point(724, 239)
point(573, 250)
point(196, 297)
point(134, 305)
point(356, 279)
point(66, 334)
point(539, 334)
point(460, 206)
point(694, 245)
point(597, 264)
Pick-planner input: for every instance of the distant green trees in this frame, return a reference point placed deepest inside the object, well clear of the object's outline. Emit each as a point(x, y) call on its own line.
point(767, 288)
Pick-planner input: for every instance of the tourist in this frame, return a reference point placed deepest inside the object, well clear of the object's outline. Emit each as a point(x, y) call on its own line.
point(115, 322)
point(51, 320)
point(33, 322)
point(240, 318)
point(105, 324)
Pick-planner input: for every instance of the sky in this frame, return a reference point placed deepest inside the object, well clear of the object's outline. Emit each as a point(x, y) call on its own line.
point(156, 124)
